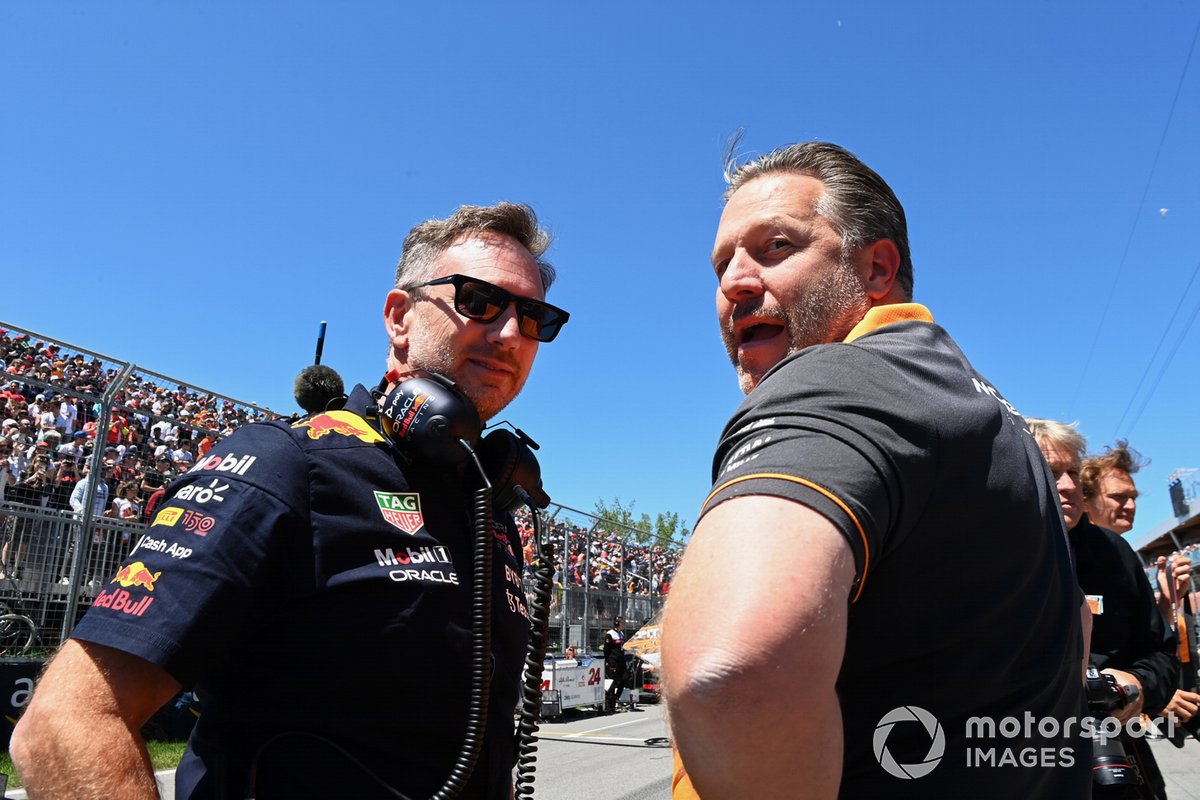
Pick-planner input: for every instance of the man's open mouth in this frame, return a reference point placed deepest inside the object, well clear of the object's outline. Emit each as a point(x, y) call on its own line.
point(760, 332)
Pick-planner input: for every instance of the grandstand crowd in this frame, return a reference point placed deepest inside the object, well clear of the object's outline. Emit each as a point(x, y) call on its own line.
point(604, 560)
point(50, 417)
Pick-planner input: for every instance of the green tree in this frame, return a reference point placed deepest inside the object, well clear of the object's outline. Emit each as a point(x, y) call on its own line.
point(665, 528)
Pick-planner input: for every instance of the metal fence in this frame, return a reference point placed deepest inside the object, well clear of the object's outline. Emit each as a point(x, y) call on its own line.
point(604, 570)
point(70, 413)
point(38, 556)
point(60, 547)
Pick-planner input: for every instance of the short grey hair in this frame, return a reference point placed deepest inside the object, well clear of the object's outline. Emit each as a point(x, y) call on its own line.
point(1060, 435)
point(431, 238)
point(856, 201)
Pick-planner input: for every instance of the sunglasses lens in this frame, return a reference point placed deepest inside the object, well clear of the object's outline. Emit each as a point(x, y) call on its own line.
point(539, 320)
point(480, 301)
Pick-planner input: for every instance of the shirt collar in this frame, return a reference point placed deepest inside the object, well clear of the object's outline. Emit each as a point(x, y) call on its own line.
point(882, 316)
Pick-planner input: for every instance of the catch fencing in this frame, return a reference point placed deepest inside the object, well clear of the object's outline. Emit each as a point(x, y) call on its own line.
point(603, 570)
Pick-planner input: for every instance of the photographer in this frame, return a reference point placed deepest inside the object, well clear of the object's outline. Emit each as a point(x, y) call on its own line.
point(1130, 640)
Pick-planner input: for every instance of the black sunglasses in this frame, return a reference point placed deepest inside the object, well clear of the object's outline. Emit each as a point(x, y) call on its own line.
point(483, 302)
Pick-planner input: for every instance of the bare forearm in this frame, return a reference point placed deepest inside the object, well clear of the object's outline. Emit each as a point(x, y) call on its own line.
point(89, 759)
point(80, 737)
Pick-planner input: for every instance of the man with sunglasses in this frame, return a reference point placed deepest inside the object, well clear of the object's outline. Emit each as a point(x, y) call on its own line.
point(313, 581)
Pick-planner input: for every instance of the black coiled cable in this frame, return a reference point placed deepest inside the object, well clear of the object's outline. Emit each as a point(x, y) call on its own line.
point(539, 638)
point(481, 650)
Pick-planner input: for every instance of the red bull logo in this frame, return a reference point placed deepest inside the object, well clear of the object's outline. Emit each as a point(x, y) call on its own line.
point(136, 574)
point(411, 413)
point(344, 423)
point(121, 600)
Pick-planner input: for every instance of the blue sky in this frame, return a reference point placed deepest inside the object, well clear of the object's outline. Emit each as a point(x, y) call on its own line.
point(195, 187)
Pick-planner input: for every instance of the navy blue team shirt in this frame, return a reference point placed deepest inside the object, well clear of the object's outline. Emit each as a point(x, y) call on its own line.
point(317, 595)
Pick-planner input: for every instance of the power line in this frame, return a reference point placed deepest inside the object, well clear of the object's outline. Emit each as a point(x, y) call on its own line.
point(1133, 228)
point(1163, 370)
point(1161, 339)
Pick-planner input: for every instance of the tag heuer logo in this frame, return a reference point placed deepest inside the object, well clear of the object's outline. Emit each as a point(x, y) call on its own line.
point(402, 510)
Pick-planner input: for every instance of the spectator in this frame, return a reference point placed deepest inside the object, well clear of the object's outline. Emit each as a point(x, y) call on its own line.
point(124, 505)
point(67, 414)
point(72, 449)
point(8, 473)
point(155, 477)
point(47, 419)
point(66, 474)
point(80, 493)
point(184, 455)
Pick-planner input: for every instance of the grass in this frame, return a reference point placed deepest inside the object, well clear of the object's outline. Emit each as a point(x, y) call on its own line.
point(163, 755)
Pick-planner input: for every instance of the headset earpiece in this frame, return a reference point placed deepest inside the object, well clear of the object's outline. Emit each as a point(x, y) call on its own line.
point(425, 418)
point(509, 463)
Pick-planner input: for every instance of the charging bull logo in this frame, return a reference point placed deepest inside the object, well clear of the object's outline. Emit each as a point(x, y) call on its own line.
point(341, 422)
point(136, 574)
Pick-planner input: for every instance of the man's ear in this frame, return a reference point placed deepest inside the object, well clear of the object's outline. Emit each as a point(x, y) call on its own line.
point(397, 317)
point(881, 262)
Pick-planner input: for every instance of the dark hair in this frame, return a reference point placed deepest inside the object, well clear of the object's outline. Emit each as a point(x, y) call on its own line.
point(856, 201)
point(1121, 457)
point(315, 386)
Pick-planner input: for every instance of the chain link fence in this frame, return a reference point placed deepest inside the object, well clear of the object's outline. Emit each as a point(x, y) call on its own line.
point(603, 570)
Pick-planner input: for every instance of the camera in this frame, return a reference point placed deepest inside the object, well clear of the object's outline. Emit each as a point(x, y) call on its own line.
point(1111, 765)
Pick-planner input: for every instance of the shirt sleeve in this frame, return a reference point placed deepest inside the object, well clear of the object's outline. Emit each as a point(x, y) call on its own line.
point(207, 566)
point(827, 430)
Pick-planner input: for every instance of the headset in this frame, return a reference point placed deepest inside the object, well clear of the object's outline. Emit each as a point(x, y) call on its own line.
point(429, 420)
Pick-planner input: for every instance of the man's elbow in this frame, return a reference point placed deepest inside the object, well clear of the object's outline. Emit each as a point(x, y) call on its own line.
point(714, 680)
point(30, 742)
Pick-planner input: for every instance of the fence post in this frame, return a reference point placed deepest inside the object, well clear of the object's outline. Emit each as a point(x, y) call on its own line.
point(95, 474)
point(622, 610)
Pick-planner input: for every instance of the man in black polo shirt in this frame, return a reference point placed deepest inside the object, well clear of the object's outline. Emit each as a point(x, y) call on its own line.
point(880, 569)
point(1130, 639)
point(314, 583)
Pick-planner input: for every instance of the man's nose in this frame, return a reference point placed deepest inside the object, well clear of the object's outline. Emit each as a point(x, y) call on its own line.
point(742, 277)
point(505, 330)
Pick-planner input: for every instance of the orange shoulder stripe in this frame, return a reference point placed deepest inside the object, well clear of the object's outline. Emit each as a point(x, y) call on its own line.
point(817, 488)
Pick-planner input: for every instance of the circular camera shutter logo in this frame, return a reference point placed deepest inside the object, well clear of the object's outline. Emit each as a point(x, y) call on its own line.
point(937, 742)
